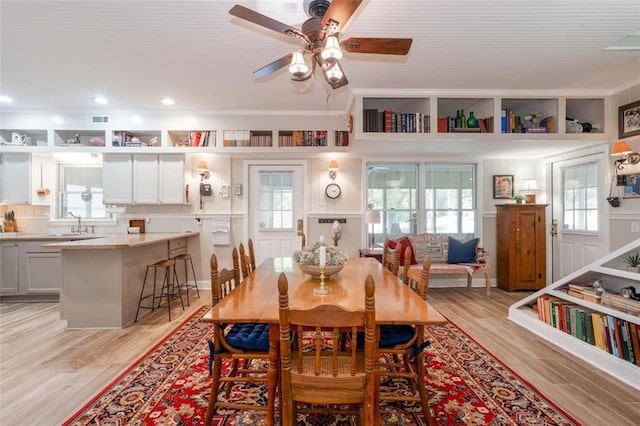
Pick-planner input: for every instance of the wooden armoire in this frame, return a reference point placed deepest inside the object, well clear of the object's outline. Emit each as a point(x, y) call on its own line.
point(521, 246)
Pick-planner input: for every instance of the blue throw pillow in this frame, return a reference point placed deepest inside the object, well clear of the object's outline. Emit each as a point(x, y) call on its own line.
point(462, 252)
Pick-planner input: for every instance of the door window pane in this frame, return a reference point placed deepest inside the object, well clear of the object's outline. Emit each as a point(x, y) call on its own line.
point(580, 197)
point(276, 200)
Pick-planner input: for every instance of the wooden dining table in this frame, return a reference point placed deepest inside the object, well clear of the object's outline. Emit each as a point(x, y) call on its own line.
point(256, 300)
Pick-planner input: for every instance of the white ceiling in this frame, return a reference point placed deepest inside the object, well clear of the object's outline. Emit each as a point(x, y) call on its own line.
point(56, 55)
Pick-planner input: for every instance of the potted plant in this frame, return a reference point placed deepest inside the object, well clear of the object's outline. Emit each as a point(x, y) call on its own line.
point(633, 260)
point(519, 198)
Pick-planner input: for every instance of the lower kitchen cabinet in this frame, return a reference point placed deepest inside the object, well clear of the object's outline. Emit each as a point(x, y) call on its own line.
point(27, 269)
point(43, 273)
point(9, 267)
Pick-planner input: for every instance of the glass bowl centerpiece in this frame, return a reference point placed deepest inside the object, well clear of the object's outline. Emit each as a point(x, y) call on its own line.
point(308, 259)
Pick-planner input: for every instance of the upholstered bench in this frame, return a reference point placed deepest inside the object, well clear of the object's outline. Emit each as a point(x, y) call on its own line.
point(440, 254)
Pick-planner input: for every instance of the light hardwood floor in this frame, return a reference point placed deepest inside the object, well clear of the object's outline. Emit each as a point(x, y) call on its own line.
point(47, 372)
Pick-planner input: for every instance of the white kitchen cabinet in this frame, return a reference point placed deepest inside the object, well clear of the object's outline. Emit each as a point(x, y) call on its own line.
point(171, 177)
point(117, 178)
point(15, 178)
point(9, 268)
point(145, 178)
point(43, 273)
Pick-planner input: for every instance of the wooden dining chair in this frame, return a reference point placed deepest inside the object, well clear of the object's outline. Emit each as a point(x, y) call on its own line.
point(321, 374)
point(401, 345)
point(239, 342)
point(252, 255)
point(246, 266)
point(391, 257)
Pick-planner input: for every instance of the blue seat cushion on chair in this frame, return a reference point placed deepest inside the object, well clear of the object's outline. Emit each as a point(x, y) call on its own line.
point(390, 335)
point(249, 336)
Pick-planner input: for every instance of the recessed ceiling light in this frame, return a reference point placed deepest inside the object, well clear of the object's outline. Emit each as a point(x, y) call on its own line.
point(5, 99)
point(167, 101)
point(100, 100)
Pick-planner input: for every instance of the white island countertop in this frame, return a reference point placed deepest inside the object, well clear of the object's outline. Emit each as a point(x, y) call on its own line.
point(120, 241)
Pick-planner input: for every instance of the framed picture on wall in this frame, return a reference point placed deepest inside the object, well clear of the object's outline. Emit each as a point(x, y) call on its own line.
point(503, 187)
point(629, 120)
point(632, 186)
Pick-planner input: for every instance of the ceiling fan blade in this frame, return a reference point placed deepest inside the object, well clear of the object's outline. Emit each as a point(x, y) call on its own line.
point(266, 22)
point(274, 66)
point(340, 11)
point(385, 46)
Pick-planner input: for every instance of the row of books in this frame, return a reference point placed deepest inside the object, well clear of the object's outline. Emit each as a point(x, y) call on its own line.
point(198, 139)
point(303, 138)
point(512, 123)
point(342, 138)
point(246, 138)
point(388, 121)
point(448, 125)
point(616, 336)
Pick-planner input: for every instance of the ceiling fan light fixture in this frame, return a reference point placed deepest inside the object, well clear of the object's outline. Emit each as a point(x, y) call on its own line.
point(298, 67)
point(331, 52)
point(334, 73)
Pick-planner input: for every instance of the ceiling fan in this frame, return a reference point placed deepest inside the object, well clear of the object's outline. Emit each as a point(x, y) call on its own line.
point(319, 36)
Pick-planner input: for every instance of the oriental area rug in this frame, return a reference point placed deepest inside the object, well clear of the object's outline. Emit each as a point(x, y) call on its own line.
point(170, 384)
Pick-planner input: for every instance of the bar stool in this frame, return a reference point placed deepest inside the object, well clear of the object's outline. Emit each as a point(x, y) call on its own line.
point(186, 257)
point(168, 290)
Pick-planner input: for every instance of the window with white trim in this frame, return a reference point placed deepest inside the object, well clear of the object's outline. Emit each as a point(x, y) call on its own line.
point(580, 197)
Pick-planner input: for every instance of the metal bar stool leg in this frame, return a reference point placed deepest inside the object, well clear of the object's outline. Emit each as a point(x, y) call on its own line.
point(176, 287)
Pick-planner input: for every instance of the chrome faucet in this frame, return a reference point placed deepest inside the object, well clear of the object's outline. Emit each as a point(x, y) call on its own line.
point(78, 229)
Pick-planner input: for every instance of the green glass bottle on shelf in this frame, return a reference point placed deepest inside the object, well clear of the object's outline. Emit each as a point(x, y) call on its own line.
point(458, 119)
point(472, 121)
point(463, 119)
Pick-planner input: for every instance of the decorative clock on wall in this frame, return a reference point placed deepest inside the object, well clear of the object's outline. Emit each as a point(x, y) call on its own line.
point(333, 191)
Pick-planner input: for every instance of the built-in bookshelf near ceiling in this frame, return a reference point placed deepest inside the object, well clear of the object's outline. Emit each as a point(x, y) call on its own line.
point(384, 118)
point(411, 117)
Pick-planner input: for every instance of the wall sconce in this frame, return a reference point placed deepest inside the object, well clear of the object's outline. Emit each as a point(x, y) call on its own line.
point(529, 188)
point(627, 156)
point(333, 169)
point(203, 170)
point(371, 217)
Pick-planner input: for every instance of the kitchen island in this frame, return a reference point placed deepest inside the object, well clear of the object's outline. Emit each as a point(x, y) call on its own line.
point(102, 277)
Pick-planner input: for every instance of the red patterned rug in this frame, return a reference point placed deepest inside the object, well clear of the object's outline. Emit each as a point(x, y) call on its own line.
point(170, 385)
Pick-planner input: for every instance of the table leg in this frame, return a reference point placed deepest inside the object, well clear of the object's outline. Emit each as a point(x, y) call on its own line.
point(272, 374)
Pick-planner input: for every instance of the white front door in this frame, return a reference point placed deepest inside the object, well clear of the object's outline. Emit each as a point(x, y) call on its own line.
point(578, 202)
point(276, 194)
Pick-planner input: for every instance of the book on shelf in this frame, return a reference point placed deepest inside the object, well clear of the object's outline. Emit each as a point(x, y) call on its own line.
point(575, 293)
point(549, 124)
point(578, 287)
point(596, 321)
point(537, 129)
point(590, 295)
point(634, 332)
point(620, 303)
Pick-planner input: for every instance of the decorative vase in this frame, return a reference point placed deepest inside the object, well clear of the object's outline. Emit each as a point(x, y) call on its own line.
point(472, 121)
point(315, 270)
